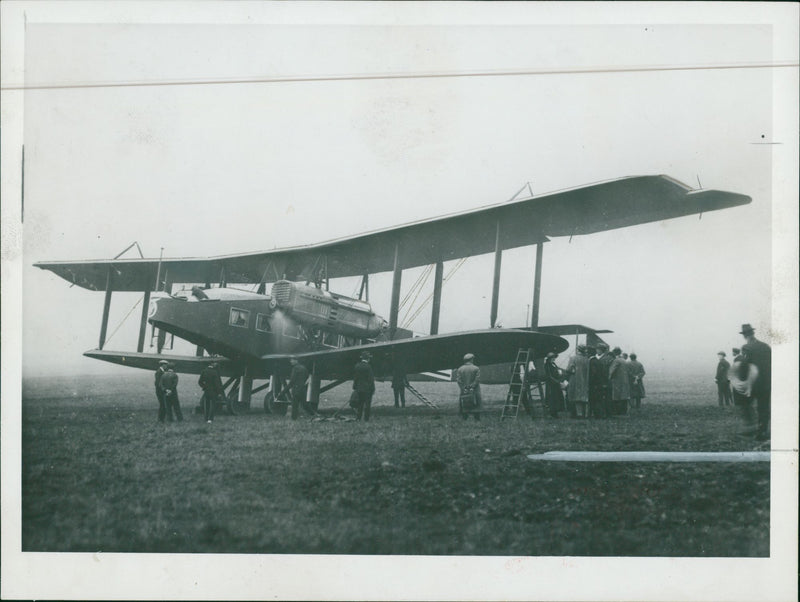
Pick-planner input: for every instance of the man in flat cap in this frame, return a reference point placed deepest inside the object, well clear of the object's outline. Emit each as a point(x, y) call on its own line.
point(169, 384)
point(721, 378)
point(760, 354)
point(162, 404)
point(364, 386)
point(468, 377)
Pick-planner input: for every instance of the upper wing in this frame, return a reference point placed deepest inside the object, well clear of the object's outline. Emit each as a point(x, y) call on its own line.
point(583, 210)
point(436, 352)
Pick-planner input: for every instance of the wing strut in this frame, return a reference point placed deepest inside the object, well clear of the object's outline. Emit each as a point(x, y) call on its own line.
point(396, 281)
point(106, 306)
point(498, 258)
point(437, 297)
point(537, 286)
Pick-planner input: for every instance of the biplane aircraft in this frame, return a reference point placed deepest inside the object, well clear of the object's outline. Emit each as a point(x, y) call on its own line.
point(252, 334)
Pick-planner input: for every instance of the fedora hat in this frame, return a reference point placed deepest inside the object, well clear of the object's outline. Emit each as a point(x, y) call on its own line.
point(747, 329)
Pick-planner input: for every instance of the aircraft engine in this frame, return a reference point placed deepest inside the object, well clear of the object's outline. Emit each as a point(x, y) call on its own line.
point(317, 308)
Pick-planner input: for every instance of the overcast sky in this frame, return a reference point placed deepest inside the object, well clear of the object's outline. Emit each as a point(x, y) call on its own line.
point(236, 167)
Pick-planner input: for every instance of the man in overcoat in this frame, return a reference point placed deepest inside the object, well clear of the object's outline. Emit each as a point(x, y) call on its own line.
point(721, 378)
point(468, 377)
point(637, 373)
point(297, 386)
point(578, 388)
point(364, 386)
point(620, 382)
point(169, 384)
point(553, 378)
point(162, 403)
point(760, 354)
point(211, 383)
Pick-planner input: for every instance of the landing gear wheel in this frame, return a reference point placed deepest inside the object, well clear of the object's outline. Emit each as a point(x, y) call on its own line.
point(232, 403)
point(271, 407)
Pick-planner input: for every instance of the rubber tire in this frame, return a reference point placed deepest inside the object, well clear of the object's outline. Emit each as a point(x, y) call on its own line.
point(270, 407)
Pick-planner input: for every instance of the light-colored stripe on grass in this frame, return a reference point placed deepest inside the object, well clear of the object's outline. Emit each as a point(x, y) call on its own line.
point(652, 456)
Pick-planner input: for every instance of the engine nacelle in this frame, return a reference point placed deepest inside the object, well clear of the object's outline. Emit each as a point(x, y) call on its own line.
point(317, 308)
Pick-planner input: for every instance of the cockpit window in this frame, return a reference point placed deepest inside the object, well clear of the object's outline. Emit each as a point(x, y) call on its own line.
point(239, 317)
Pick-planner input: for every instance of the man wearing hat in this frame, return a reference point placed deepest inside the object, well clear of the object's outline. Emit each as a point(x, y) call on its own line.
point(211, 383)
point(298, 387)
point(169, 384)
point(468, 377)
point(552, 378)
point(721, 378)
point(162, 404)
point(364, 386)
point(760, 354)
point(578, 389)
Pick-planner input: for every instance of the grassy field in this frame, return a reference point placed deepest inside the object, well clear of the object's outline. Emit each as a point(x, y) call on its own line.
point(100, 474)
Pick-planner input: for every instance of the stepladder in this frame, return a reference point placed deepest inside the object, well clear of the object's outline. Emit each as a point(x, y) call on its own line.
point(518, 385)
point(522, 389)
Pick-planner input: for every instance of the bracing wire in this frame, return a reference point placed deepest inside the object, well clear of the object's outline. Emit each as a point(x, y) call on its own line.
point(427, 300)
point(420, 281)
point(123, 319)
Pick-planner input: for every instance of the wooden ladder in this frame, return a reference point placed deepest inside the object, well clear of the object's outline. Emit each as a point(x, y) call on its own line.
point(518, 386)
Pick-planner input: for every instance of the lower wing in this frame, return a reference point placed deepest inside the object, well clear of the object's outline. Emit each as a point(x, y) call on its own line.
point(429, 353)
point(420, 354)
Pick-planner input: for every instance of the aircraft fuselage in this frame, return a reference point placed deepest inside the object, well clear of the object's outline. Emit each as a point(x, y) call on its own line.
point(243, 325)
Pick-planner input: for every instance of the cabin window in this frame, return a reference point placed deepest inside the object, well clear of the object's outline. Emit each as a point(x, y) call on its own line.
point(291, 329)
point(330, 339)
point(240, 317)
point(262, 323)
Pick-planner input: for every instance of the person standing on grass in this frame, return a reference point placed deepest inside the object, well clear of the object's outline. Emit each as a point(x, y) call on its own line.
point(620, 382)
point(721, 378)
point(468, 377)
point(169, 384)
point(743, 375)
point(211, 383)
point(636, 373)
point(553, 392)
point(578, 389)
point(399, 384)
point(364, 386)
point(298, 387)
point(162, 403)
point(606, 359)
point(760, 354)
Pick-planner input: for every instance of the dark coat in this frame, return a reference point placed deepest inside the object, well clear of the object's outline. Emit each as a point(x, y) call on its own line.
point(210, 381)
point(159, 373)
point(169, 382)
point(553, 394)
point(598, 376)
point(297, 381)
point(722, 371)
point(760, 354)
point(363, 378)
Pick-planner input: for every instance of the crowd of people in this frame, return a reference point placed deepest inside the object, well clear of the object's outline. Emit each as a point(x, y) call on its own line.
point(598, 382)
